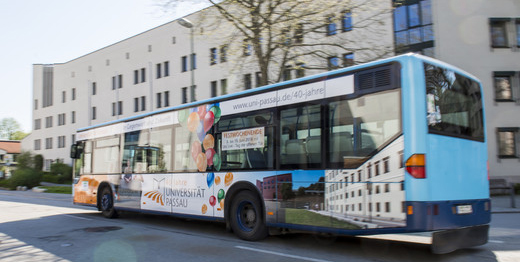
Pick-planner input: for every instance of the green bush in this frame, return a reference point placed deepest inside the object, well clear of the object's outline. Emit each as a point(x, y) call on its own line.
point(38, 162)
point(25, 177)
point(47, 177)
point(63, 172)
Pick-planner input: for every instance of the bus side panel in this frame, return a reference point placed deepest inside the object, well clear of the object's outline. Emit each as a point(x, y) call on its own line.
point(85, 191)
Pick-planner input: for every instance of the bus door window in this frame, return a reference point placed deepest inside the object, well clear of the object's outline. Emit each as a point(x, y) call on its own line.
point(135, 158)
point(184, 141)
point(160, 149)
point(106, 155)
point(86, 167)
point(241, 155)
point(300, 136)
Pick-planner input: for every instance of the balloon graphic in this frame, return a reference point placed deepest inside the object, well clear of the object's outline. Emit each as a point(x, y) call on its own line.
point(208, 142)
point(210, 178)
point(204, 209)
point(193, 122)
point(216, 113)
point(201, 110)
point(196, 149)
point(217, 179)
point(228, 179)
point(202, 163)
point(182, 116)
point(209, 156)
point(212, 200)
point(209, 118)
point(221, 194)
point(216, 162)
point(200, 132)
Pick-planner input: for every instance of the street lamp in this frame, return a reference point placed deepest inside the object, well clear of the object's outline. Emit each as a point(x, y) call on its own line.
point(186, 23)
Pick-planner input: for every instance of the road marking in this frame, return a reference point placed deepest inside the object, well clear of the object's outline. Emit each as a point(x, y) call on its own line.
point(496, 241)
point(281, 254)
point(77, 217)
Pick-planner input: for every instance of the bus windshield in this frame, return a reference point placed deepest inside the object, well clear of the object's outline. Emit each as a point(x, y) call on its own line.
point(454, 104)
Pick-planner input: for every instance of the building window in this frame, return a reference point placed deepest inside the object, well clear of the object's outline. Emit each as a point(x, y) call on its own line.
point(413, 26)
point(223, 53)
point(387, 188)
point(184, 64)
point(507, 142)
point(120, 107)
point(386, 165)
point(61, 119)
point(35, 104)
point(223, 86)
point(158, 71)
point(332, 62)
point(63, 97)
point(114, 83)
point(346, 21)
point(300, 70)
point(503, 86)
point(298, 34)
point(143, 103)
point(114, 105)
point(37, 144)
point(517, 26)
point(247, 81)
point(331, 26)
point(143, 75)
point(258, 79)
point(158, 102)
point(498, 28)
point(247, 47)
point(387, 207)
point(166, 69)
point(193, 61)
point(48, 122)
point(184, 95)
point(61, 142)
point(167, 98)
point(193, 93)
point(94, 113)
point(213, 87)
point(376, 169)
point(136, 104)
point(348, 59)
point(120, 81)
point(73, 117)
point(286, 74)
point(73, 93)
point(37, 124)
point(136, 77)
point(213, 56)
point(48, 143)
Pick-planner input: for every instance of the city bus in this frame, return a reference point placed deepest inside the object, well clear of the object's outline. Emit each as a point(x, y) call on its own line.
point(392, 146)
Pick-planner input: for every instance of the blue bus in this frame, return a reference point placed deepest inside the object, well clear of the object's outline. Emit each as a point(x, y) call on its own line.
point(392, 146)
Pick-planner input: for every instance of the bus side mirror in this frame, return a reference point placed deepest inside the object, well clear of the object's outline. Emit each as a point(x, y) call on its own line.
point(75, 151)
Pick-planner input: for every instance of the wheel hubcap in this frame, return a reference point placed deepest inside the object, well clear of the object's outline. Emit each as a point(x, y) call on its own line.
point(247, 216)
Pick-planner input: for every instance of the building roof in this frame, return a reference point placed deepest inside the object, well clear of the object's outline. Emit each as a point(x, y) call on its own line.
point(11, 147)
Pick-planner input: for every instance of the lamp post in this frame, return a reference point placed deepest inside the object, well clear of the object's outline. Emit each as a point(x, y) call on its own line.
point(186, 23)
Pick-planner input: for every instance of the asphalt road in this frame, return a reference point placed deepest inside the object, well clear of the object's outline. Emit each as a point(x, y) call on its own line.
point(47, 227)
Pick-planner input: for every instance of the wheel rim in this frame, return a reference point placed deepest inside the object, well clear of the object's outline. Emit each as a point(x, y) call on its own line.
point(106, 202)
point(247, 216)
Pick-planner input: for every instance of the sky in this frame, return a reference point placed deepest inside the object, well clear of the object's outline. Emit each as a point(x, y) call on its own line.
point(58, 31)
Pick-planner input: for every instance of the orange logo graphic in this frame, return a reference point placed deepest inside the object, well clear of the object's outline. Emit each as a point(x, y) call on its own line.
point(155, 196)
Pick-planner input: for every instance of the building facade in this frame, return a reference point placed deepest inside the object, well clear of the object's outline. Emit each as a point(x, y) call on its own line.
point(158, 69)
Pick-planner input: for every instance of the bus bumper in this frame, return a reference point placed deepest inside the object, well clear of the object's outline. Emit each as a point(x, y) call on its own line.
point(446, 241)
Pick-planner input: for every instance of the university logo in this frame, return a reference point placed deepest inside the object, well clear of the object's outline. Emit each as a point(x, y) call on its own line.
point(157, 193)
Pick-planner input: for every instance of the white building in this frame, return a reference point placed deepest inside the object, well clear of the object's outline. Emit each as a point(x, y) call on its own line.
point(152, 70)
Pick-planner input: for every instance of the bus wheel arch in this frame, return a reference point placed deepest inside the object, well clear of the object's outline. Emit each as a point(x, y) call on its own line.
point(244, 212)
point(105, 200)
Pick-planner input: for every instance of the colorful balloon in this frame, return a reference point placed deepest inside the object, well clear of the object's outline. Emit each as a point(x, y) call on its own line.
point(193, 122)
point(201, 110)
point(212, 200)
point(216, 113)
point(208, 142)
point(221, 194)
point(196, 149)
point(204, 209)
point(202, 163)
point(217, 179)
point(209, 119)
point(228, 179)
point(209, 179)
point(182, 116)
point(216, 162)
point(209, 156)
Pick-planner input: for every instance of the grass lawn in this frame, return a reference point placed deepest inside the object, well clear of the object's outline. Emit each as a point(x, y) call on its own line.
point(58, 189)
point(306, 217)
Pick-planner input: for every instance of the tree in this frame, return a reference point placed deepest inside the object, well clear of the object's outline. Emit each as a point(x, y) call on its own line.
point(284, 35)
point(10, 129)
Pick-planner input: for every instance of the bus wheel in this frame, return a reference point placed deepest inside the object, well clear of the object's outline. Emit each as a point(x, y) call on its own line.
point(246, 217)
point(106, 204)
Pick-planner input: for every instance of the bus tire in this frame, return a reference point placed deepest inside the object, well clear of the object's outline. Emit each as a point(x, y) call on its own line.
point(106, 204)
point(247, 217)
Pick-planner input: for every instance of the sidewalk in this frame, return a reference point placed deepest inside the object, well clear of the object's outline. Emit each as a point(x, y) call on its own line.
point(502, 204)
